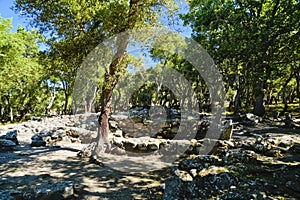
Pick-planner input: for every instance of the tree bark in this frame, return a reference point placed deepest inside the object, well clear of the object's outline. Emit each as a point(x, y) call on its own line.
point(53, 96)
point(236, 102)
point(89, 101)
point(259, 105)
point(297, 75)
point(284, 96)
point(111, 78)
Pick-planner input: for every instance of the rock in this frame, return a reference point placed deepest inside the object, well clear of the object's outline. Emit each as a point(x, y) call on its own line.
point(11, 194)
point(153, 145)
point(223, 180)
point(199, 163)
point(12, 135)
point(173, 188)
point(118, 151)
point(38, 143)
point(113, 124)
point(251, 119)
point(61, 190)
point(293, 186)
point(7, 144)
point(81, 135)
point(9, 136)
point(289, 123)
point(118, 133)
point(183, 175)
point(235, 196)
point(40, 139)
point(39, 119)
point(212, 170)
point(228, 129)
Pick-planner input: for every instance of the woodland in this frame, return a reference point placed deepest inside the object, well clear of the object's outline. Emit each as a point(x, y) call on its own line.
point(144, 99)
point(254, 44)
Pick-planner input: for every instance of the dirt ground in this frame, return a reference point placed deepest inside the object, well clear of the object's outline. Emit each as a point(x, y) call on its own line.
point(27, 167)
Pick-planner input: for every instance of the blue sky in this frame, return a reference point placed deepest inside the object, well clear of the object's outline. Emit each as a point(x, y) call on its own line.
point(7, 12)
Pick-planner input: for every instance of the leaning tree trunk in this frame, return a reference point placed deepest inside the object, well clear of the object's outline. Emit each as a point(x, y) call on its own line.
point(111, 78)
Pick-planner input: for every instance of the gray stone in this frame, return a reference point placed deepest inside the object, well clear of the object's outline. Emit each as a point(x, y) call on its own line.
point(183, 175)
point(251, 119)
point(11, 194)
point(235, 196)
point(173, 188)
point(6, 144)
point(38, 143)
point(12, 135)
point(61, 190)
point(293, 186)
point(227, 130)
point(6, 195)
point(199, 163)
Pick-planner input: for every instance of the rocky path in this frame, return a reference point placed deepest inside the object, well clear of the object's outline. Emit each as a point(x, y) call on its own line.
point(56, 172)
point(259, 162)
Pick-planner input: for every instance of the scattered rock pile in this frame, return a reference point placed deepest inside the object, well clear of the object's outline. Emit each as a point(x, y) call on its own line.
point(256, 168)
point(50, 131)
point(47, 191)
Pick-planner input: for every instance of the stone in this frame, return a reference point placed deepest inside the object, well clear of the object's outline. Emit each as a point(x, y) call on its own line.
point(224, 180)
point(7, 144)
point(12, 135)
point(11, 194)
point(199, 163)
point(289, 123)
point(183, 175)
point(118, 151)
point(251, 119)
point(38, 143)
point(228, 129)
point(61, 190)
point(212, 170)
point(293, 186)
point(235, 196)
point(173, 188)
point(113, 124)
point(118, 133)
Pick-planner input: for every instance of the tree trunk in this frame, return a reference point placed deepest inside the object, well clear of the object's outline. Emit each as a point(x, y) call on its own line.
point(236, 102)
point(259, 104)
point(89, 101)
point(284, 96)
point(53, 96)
point(11, 114)
point(65, 87)
point(111, 78)
point(66, 102)
point(297, 74)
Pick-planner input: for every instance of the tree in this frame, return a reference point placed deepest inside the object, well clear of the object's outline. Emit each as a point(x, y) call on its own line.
point(249, 41)
point(93, 21)
point(19, 70)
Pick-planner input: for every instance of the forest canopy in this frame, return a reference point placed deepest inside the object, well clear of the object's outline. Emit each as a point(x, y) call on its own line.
point(255, 45)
